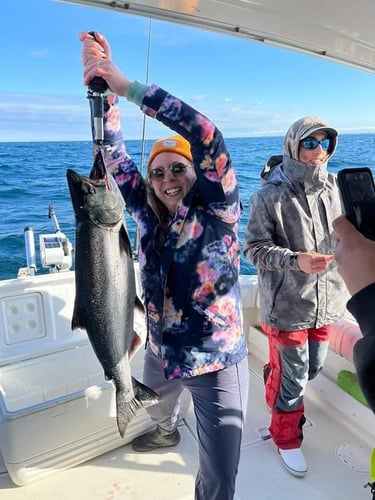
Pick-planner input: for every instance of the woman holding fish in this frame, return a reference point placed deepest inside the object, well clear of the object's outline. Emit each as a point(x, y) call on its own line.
point(187, 210)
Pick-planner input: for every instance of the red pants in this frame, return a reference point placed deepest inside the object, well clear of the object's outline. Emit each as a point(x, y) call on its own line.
point(294, 358)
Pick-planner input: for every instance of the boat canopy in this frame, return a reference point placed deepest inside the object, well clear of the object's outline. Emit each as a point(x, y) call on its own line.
point(336, 30)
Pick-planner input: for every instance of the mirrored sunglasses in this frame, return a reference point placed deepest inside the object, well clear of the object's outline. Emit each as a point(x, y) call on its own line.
point(158, 173)
point(314, 143)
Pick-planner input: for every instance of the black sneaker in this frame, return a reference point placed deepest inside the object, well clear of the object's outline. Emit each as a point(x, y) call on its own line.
point(156, 439)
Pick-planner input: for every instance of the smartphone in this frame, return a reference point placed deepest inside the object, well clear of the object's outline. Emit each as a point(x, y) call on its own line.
point(357, 190)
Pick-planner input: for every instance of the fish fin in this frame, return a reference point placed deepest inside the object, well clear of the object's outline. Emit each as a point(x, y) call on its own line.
point(127, 244)
point(143, 394)
point(126, 410)
point(76, 319)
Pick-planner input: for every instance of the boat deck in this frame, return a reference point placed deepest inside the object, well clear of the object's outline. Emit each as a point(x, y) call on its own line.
point(337, 451)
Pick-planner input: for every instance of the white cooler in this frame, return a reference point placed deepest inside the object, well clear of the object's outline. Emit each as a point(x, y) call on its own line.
point(56, 408)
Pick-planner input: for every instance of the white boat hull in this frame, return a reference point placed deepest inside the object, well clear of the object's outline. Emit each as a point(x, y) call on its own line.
point(56, 408)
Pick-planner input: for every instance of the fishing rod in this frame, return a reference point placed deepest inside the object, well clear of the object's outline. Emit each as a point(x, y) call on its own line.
point(96, 89)
point(96, 92)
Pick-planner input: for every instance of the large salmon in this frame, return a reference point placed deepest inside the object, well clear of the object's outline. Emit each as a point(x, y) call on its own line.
point(105, 284)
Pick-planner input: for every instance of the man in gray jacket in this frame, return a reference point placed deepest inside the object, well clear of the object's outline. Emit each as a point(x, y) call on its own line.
point(290, 239)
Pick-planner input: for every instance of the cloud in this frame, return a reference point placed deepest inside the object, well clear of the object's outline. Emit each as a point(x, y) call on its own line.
point(40, 53)
point(35, 117)
point(199, 98)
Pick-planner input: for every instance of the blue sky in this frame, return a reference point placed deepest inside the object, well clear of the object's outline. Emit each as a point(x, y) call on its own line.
point(247, 88)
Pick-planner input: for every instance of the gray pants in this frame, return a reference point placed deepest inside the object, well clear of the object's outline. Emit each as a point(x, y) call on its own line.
point(220, 402)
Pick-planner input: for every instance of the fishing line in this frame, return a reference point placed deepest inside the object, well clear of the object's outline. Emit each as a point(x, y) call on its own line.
point(147, 79)
point(136, 236)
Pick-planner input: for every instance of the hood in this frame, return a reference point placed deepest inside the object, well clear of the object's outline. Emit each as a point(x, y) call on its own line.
point(272, 171)
point(304, 127)
point(284, 170)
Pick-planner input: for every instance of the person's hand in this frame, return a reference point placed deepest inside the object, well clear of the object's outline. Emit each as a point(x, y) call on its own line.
point(97, 61)
point(313, 262)
point(355, 256)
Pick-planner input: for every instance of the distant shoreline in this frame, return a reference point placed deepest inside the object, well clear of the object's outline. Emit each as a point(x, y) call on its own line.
point(260, 136)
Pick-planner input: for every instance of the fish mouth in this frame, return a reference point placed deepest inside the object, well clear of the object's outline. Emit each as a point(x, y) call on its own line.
point(98, 171)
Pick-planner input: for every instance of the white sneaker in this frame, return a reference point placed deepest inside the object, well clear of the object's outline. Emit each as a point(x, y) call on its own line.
point(294, 461)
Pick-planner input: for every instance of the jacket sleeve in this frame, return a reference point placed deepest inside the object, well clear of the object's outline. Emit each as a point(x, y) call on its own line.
point(361, 306)
point(216, 180)
point(259, 246)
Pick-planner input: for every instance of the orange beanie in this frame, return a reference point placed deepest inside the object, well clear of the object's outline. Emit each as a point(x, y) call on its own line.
point(173, 144)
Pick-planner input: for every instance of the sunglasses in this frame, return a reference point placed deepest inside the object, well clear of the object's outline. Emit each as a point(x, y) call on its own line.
point(158, 173)
point(314, 143)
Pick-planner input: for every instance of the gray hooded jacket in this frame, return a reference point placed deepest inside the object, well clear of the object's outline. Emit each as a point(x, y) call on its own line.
point(293, 213)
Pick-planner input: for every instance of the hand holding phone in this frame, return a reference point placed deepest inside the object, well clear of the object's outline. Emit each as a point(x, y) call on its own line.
point(357, 190)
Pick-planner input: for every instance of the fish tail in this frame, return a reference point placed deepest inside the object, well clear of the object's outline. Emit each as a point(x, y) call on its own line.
point(125, 410)
point(126, 407)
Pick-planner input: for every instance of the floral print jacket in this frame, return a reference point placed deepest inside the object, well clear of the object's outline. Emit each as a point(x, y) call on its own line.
point(190, 275)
